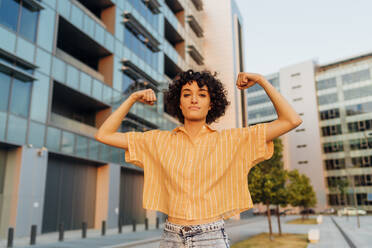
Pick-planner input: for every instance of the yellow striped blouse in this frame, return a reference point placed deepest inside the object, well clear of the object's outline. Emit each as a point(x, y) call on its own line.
point(195, 179)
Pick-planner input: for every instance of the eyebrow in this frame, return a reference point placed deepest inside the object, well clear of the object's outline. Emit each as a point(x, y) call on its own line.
point(199, 90)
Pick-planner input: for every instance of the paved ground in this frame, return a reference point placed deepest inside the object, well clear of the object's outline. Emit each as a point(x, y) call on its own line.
point(360, 237)
point(330, 235)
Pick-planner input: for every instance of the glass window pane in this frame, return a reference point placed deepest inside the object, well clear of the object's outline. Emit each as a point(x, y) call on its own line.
point(2, 125)
point(53, 138)
point(36, 134)
point(28, 22)
point(17, 129)
point(4, 91)
point(93, 149)
point(85, 83)
point(72, 77)
point(81, 146)
point(67, 142)
point(20, 99)
point(9, 13)
point(105, 154)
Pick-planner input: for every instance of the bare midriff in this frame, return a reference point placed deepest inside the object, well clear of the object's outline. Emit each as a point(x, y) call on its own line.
point(192, 222)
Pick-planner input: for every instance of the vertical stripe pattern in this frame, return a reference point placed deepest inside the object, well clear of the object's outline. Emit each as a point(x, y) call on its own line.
point(200, 178)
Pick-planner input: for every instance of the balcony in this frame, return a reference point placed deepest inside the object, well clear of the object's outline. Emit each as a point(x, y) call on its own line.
point(83, 52)
point(137, 28)
point(195, 55)
point(72, 125)
point(102, 11)
point(153, 5)
point(198, 4)
point(195, 25)
point(75, 111)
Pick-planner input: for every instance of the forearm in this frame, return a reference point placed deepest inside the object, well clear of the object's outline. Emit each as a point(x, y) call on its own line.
point(112, 123)
point(282, 107)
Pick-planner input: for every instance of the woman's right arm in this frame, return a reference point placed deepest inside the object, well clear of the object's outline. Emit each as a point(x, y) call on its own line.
point(107, 133)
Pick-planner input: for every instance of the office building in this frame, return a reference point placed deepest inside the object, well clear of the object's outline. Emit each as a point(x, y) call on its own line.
point(65, 66)
point(333, 142)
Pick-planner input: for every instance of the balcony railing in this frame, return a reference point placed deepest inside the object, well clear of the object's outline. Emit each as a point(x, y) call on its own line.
point(72, 125)
point(79, 65)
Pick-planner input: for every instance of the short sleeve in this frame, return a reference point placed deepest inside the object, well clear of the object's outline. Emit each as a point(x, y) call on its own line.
point(259, 149)
point(139, 147)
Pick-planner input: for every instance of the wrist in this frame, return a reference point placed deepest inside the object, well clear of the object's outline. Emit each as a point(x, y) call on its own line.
point(262, 81)
point(133, 98)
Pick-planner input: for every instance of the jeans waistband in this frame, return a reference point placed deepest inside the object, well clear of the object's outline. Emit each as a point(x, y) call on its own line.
point(193, 229)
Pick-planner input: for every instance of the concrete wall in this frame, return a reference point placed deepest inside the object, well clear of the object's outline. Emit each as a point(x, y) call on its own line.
point(30, 195)
point(303, 100)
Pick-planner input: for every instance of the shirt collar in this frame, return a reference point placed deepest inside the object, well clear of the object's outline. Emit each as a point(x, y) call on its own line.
point(179, 128)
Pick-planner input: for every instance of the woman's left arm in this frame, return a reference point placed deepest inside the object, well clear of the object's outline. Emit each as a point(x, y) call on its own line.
point(287, 120)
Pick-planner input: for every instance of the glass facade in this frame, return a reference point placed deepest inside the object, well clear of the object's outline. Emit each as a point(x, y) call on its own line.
point(260, 107)
point(20, 17)
point(345, 110)
point(90, 78)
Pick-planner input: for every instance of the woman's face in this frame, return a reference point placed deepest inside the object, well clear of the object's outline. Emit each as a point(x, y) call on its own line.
point(195, 102)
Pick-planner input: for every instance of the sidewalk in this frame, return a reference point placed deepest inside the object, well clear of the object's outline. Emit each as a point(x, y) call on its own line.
point(330, 236)
point(360, 237)
point(127, 238)
point(94, 238)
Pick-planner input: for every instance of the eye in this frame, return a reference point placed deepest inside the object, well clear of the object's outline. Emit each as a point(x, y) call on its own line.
point(203, 95)
point(186, 95)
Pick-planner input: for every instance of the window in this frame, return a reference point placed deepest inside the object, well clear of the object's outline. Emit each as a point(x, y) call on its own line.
point(358, 92)
point(297, 99)
point(356, 77)
point(331, 147)
point(331, 130)
point(5, 82)
point(327, 99)
point(296, 87)
point(300, 130)
point(20, 97)
point(21, 17)
point(359, 108)
point(326, 83)
point(19, 93)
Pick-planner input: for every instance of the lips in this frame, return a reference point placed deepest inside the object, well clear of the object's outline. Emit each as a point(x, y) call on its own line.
point(194, 108)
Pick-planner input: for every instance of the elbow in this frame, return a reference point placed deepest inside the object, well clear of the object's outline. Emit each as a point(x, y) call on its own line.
point(97, 136)
point(297, 122)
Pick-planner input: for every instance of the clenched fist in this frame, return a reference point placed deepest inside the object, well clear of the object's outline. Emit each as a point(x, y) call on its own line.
point(145, 96)
point(246, 80)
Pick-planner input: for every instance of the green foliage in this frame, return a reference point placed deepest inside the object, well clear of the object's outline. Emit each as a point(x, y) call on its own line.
point(300, 190)
point(266, 180)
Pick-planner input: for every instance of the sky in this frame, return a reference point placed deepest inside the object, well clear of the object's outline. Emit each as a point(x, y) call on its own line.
point(280, 33)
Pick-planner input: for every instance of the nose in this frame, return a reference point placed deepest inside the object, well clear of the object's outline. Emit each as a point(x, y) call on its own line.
point(194, 98)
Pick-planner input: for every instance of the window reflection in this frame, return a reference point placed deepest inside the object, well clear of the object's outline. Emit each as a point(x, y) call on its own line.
point(11, 11)
point(20, 97)
point(28, 21)
point(4, 91)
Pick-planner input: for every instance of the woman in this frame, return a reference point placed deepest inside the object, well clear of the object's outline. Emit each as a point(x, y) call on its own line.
point(194, 173)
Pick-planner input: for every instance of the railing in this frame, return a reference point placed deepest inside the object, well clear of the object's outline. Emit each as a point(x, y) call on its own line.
point(88, 12)
point(72, 125)
point(81, 66)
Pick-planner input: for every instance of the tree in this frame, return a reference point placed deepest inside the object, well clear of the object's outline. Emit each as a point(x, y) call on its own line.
point(280, 197)
point(342, 184)
point(266, 181)
point(300, 191)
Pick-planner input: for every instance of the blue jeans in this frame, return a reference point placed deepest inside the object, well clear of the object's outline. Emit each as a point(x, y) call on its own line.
point(204, 235)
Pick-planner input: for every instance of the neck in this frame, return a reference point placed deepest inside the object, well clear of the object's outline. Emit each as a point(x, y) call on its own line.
point(194, 127)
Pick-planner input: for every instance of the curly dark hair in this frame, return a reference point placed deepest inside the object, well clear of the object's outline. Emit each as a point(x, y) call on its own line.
point(216, 90)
